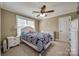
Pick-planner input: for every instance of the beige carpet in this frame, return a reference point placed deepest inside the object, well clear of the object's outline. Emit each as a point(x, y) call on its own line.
point(58, 49)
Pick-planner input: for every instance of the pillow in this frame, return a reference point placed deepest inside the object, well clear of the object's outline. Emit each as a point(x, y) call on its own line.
point(23, 33)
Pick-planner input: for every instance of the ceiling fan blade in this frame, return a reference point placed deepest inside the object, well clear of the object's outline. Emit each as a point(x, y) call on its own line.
point(36, 11)
point(49, 11)
point(37, 15)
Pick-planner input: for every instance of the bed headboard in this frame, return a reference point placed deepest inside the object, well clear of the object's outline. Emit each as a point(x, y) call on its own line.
point(27, 29)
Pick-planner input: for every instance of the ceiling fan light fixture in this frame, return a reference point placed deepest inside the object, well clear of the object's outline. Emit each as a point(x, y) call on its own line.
point(42, 15)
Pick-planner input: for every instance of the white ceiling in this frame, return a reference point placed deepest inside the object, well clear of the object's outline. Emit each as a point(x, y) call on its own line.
point(26, 8)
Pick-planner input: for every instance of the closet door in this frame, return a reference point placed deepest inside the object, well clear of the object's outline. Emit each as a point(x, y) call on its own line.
point(64, 28)
point(74, 37)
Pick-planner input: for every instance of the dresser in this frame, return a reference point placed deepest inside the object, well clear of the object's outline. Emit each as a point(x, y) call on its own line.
point(13, 41)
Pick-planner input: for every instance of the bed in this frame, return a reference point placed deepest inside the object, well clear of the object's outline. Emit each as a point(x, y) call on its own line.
point(37, 40)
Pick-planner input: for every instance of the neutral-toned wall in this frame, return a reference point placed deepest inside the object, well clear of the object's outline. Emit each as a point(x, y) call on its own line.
point(9, 22)
point(37, 25)
point(0, 31)
point(52, 24)
point(49, 25)
point(73, 15)
point(0, 24)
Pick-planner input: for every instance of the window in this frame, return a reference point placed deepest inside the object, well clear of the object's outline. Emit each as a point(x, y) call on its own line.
point(22, 22)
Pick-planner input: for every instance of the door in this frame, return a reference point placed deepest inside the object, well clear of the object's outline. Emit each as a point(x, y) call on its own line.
point(74, 37)
point(64, 28)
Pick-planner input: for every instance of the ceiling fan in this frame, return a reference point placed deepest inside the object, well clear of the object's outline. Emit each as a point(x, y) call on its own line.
point(43, 11)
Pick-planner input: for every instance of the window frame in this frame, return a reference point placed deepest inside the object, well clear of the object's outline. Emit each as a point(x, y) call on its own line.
point(27, 20)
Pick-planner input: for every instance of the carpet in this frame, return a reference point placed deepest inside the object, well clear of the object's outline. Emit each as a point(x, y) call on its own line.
point(58, 49)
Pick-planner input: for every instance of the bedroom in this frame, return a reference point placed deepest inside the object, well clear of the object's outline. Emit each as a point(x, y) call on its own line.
point(18, 18)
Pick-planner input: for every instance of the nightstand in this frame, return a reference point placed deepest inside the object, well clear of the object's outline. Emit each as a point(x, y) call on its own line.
point(13, 41)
